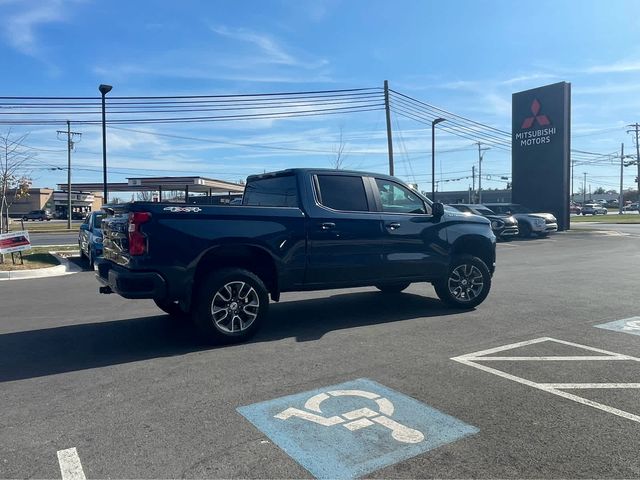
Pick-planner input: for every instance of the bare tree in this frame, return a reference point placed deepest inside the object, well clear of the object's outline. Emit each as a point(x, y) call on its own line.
point(144, 196)
point(14, 181)
point(338, 151)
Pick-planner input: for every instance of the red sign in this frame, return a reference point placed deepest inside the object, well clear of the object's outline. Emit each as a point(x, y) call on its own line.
point(15, 242)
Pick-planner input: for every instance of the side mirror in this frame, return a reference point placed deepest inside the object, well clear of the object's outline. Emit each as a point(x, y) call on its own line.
point(84, 227)
point(437, 209)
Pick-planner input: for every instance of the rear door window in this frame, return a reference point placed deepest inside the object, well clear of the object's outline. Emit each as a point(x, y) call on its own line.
point(280, 191)
point(342, 192)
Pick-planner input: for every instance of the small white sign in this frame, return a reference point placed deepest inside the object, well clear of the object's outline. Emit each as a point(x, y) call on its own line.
point(15, 242)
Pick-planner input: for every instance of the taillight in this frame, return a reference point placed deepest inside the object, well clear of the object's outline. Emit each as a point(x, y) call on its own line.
point(137, 239)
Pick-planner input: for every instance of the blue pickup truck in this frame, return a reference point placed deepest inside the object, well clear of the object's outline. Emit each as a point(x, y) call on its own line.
point(296, 230)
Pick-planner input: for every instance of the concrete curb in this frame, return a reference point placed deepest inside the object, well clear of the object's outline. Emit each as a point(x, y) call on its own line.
point(65, 268)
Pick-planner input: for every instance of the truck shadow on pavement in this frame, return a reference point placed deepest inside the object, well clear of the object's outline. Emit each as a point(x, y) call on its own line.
point(50, 351)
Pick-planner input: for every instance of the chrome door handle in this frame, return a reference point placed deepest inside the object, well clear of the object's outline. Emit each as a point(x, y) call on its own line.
point(393, 226)
point(327, 226)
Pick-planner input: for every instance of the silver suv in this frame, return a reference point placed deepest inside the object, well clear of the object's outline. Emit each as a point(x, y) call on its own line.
point(529, 222)
point(593, 209)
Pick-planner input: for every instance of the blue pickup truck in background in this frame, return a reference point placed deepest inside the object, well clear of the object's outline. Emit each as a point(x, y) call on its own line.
point(296, 230)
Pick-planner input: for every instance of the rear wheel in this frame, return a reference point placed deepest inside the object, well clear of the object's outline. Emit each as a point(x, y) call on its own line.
point(467, 283)
point(230, 305)
point(393, 287)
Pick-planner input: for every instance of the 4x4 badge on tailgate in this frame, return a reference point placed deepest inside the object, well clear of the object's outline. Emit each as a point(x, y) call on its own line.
point(183, 209)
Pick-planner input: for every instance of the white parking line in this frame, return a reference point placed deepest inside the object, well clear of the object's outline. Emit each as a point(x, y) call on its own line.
point(70, 466)
point(471, 360)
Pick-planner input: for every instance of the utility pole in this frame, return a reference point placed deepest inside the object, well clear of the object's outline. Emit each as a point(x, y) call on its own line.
point(572, 168)
point(387, 110)
point(473, 182)
point(584, 190)
point(480, 155)
point(622, 165)
point(621, 178)
point(70, 142)
point(636, 129)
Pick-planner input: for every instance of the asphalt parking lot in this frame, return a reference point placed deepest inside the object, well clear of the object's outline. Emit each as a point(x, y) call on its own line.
point(526, 385)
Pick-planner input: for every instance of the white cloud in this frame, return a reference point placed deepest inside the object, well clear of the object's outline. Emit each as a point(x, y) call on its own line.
point(268, 46)
point(624, 66)
point(251, 57)
point(21, 26)
point(269, 50)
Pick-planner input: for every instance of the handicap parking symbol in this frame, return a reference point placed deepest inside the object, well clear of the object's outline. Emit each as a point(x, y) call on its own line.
point(627, 325)
point(351, 429)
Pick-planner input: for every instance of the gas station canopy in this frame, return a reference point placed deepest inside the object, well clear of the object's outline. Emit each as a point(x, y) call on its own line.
point(188, 185)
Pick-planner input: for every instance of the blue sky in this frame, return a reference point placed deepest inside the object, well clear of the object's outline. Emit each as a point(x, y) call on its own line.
point(466, 57)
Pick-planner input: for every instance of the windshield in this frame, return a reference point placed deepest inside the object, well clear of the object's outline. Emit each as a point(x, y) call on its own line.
point(515, 208)
point(484, 211)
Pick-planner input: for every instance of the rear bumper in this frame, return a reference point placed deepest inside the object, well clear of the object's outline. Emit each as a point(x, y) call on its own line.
point(130, 284)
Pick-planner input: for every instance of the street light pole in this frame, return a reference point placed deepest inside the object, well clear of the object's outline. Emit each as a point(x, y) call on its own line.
point(104, 89)
point(69, 147)
point(433, 156)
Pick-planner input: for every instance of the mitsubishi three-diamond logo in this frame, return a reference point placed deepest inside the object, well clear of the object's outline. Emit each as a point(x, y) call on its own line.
point(536, 129)
point(541, 120)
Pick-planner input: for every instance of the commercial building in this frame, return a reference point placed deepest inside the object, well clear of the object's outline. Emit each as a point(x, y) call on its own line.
point(56, 202)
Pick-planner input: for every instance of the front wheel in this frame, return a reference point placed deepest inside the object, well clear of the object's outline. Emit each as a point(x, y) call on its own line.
point(393, 287)
point(525, 230)
point(230, 305)
point(467, 283)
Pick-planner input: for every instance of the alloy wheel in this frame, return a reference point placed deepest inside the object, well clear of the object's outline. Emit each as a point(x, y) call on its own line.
point(235, 307)
point(465, 282)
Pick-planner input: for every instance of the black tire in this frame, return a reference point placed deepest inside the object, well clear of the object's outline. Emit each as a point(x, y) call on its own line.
point(90, 258)
point(172, 308)
point(240, 286)
point(525, 230)
point(82, 255)
point(393, 287)
point(454, 289)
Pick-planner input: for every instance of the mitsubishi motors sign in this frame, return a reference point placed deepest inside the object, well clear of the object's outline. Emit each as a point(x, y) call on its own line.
point(540, 146)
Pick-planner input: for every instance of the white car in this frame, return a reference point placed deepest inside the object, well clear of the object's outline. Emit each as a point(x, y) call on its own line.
point(593, 209)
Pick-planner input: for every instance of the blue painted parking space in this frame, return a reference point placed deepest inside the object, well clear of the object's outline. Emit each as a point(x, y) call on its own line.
point(354, 428)
point(627, 325)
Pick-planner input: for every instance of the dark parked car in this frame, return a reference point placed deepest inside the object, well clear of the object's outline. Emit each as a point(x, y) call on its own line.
point(297, 230)
point(504, 227)
point(40, 215)
point(529, 222)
